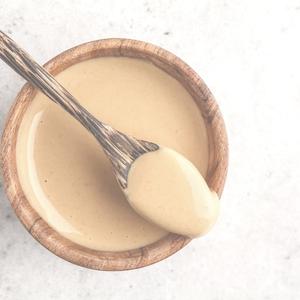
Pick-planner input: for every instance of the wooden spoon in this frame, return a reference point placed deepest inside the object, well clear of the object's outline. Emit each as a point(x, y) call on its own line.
point(121, 149)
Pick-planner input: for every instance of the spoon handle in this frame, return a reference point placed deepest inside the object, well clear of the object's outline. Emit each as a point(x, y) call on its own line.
point(29, 69)
point(121, 149)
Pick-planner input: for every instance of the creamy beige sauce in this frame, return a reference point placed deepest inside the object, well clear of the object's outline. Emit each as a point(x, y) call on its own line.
point(168, 190)
point(63, 171)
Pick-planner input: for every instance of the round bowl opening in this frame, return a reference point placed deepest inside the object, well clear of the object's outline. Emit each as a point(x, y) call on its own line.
point(217, 164)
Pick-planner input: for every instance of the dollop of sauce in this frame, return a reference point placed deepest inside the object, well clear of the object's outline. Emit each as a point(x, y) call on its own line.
point(168, 190)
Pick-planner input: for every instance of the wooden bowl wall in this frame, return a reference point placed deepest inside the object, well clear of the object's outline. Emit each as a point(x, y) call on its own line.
point(47, 236)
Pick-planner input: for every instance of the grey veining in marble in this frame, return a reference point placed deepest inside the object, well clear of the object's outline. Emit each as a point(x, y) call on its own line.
point(248, 54)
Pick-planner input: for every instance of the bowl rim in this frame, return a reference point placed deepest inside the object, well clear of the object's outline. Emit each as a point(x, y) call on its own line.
point(46, 235)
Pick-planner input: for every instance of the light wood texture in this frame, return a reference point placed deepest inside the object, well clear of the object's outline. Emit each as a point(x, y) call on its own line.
point(47, 236)
point(121, 149)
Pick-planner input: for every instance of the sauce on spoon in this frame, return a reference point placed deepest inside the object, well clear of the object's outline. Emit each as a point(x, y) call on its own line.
point(168, 190)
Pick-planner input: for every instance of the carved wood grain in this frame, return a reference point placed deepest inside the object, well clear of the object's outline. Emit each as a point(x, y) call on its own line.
point(121, 149)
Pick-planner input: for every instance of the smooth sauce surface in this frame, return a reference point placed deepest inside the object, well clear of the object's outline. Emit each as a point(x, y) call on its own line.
point(63, 171)
point(168, 190)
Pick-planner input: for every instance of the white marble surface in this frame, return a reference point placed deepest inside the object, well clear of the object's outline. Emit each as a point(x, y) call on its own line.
point(248, 54)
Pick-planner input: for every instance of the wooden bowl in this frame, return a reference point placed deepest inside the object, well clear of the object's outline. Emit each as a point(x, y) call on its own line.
point(47, 236)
